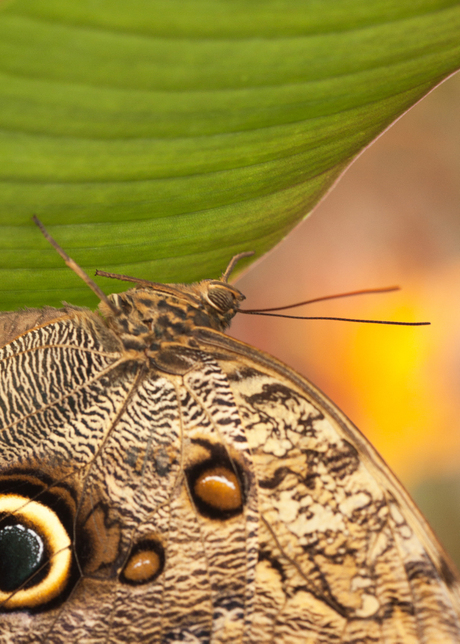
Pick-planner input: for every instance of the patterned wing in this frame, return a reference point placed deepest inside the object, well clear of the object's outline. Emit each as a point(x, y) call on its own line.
point(344, 555)
point(206, 495)
point(120, 455)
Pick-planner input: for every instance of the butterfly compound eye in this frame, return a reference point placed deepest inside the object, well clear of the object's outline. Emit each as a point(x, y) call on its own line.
point(221, 298)
point(35, 553)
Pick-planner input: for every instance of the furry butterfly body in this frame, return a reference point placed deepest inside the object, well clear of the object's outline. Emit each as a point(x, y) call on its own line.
point(206, 492)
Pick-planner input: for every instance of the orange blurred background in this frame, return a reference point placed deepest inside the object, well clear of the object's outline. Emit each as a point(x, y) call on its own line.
point(393, 218)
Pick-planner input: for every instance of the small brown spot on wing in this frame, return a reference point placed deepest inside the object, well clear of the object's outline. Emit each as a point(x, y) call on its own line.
point(145, 563)
point(219, 488)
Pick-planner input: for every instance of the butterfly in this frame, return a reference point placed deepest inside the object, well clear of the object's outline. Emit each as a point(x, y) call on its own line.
point(161, 482)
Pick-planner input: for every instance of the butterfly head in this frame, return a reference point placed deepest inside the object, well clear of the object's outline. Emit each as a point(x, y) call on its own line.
point(164, 312)
point(152, 313)
point(220, 300)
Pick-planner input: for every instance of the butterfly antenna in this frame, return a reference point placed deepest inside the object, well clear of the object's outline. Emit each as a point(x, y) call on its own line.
point(386, 289)
point(124, 278)
point(307, 317)
point(76, 268)
point(365, 291)
point(232, 263)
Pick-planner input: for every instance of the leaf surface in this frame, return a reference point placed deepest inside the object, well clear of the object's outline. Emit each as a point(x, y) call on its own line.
point(158, 138)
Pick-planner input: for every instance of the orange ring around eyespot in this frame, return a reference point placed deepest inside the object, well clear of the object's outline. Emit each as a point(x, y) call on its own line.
point(41, 518)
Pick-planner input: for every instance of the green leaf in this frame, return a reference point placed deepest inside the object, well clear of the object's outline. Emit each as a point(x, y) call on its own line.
point(157, 138)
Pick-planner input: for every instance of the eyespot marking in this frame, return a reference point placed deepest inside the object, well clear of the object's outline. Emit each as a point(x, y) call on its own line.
point(219, 488)
point(145, 563)
point(35, 553)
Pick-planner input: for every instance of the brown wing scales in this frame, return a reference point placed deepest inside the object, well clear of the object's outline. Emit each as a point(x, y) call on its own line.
point(210, 495)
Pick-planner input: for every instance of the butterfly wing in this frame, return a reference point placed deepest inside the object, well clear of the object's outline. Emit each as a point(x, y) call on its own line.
point(353, 558)
point(214, 497)
point(15, 323)
point(112, 448)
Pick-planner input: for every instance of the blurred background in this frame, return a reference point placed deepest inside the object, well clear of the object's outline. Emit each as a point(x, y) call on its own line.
point(393, 218)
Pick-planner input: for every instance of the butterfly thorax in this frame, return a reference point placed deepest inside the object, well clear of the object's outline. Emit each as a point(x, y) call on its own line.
point(150, 317)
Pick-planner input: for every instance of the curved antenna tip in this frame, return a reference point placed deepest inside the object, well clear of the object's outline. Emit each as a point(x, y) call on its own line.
point(236, 258)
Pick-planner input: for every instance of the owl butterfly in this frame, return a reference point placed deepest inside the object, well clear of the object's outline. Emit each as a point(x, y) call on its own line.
point(161, 482)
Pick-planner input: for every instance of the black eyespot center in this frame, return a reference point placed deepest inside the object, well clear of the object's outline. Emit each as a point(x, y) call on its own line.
point(23, 556)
